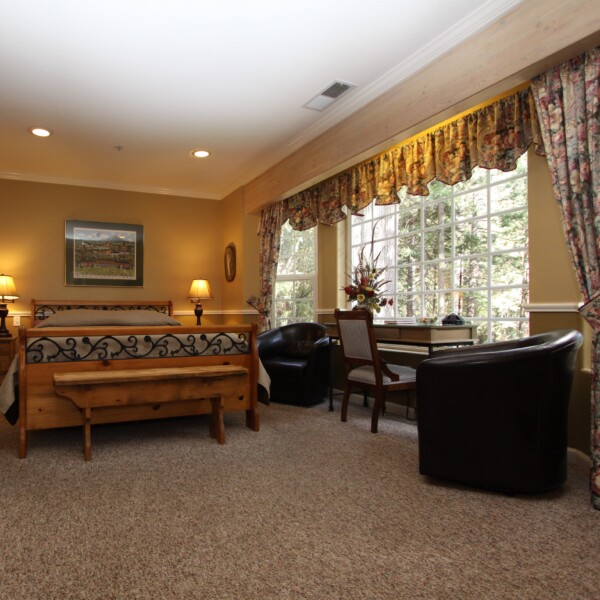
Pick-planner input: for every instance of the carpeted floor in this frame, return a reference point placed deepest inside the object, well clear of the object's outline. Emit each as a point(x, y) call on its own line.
point(308, 508)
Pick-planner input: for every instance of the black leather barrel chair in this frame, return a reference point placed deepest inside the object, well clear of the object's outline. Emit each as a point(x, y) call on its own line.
point(297, 359)
point(495, 416)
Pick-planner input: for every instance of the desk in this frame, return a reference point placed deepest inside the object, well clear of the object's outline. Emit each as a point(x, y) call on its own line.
point(427, 336)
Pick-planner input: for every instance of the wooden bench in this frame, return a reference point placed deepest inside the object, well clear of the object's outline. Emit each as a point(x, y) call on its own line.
point(90, 390)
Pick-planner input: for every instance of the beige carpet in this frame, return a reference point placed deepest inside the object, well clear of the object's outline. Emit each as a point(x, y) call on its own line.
point(307, 508)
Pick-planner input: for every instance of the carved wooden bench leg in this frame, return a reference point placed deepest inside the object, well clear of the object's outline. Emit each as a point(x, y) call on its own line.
point(217, 425)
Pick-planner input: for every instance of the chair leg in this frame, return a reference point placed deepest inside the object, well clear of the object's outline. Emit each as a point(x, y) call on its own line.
point(376, 410)
point(345, 400)
point(365, 400)
point(408, 403)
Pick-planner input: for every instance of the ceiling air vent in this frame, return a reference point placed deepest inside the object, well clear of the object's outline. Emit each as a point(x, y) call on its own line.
point(329, 95)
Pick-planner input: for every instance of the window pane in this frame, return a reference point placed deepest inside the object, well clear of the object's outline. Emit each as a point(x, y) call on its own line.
point(509, 330)
point(509, 230)
point(470, 205)
point(473, 304)
point(511, 194)
point(409, 220)
point(304, 311)
point(438, 276)
point(408, 278)
point(284, 289)
point(471, 272)
point(510, 269)
point(438, 213)
point(408, 306)
point(437, 305)
point(461, 249)
point(471, 237)
point(409, 248)
point(438, 243)
point(284, 309)
point(508, 303)
point(483, 329)
point(304, 289)
point(297, 264)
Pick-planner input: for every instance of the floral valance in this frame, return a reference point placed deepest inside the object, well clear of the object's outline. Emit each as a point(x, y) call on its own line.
point(493, 137)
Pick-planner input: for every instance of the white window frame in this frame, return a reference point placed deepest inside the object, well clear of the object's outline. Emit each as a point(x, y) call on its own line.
point(453, 289)
point(312, 277)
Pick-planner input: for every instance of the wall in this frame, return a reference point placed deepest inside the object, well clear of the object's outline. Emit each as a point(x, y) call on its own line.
point(554, 292)
point(182, 241)
point(242, 230)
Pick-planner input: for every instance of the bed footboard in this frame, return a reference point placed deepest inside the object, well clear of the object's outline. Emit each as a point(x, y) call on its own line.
point(44, 353)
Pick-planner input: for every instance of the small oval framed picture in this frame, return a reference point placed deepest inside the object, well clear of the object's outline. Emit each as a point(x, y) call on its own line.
point(230, 262)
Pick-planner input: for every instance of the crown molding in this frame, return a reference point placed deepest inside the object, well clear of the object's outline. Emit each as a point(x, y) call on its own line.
point(108, 185)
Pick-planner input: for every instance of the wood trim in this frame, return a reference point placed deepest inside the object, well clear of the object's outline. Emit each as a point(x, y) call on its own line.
point(558, 307)
point(527, 41)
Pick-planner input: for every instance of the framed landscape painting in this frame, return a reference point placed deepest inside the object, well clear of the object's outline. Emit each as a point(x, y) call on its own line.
point(105, 254)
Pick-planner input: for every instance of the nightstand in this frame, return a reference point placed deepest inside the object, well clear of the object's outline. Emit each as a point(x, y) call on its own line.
point(7, 351)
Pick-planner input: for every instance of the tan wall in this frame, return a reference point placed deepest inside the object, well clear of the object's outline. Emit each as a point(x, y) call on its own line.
point(328, 270)
point(553, 283)
point(241, 229)
point(552, 274)
point(182, 241)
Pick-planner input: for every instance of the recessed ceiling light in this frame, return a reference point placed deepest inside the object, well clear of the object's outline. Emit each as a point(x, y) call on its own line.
point(200, 153)
point(40, 131)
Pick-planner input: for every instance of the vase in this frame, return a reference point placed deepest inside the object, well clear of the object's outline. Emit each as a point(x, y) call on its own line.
point(361, 306)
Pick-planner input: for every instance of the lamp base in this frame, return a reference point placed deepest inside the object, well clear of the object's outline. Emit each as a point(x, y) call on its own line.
point(3, 314)
point(198, 312)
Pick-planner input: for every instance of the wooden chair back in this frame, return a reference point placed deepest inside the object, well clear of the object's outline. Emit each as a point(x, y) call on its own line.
point(357, 339)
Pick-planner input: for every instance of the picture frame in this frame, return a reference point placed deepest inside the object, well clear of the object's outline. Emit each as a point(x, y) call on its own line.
point(230, 262)
point(104, 254)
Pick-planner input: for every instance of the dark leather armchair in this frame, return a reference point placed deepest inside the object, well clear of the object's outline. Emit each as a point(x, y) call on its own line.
point(297, 359)
point(495, 416)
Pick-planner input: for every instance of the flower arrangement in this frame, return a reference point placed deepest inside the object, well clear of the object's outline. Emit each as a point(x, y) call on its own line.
point(366, 286)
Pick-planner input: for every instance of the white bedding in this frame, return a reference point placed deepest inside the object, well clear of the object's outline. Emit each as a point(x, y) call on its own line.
point(7, 389)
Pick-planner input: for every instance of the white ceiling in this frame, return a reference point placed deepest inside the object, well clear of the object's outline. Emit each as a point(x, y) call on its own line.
point(160, 78)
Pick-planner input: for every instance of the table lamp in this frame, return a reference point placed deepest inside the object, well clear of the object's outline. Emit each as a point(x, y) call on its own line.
point(8, 293)
point(200, 290)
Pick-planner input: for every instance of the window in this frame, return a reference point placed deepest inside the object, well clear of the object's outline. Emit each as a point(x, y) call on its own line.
point(462, 249)
point(296, 280)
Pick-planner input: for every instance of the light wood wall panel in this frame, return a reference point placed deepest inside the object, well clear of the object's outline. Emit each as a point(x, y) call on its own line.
point(528, 40)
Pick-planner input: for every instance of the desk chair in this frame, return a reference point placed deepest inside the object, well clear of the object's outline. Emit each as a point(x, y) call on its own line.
point(364, 367)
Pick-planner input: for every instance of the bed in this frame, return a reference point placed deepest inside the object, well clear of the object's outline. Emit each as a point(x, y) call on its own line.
point(69, 337)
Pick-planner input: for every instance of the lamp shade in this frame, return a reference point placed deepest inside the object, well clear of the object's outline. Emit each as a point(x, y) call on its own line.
point(8, 291)
point(200, 290)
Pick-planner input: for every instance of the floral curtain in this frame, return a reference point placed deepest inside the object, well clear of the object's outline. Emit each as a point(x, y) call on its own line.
point(272, 219)
point(568, 99)
point(492, 137)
